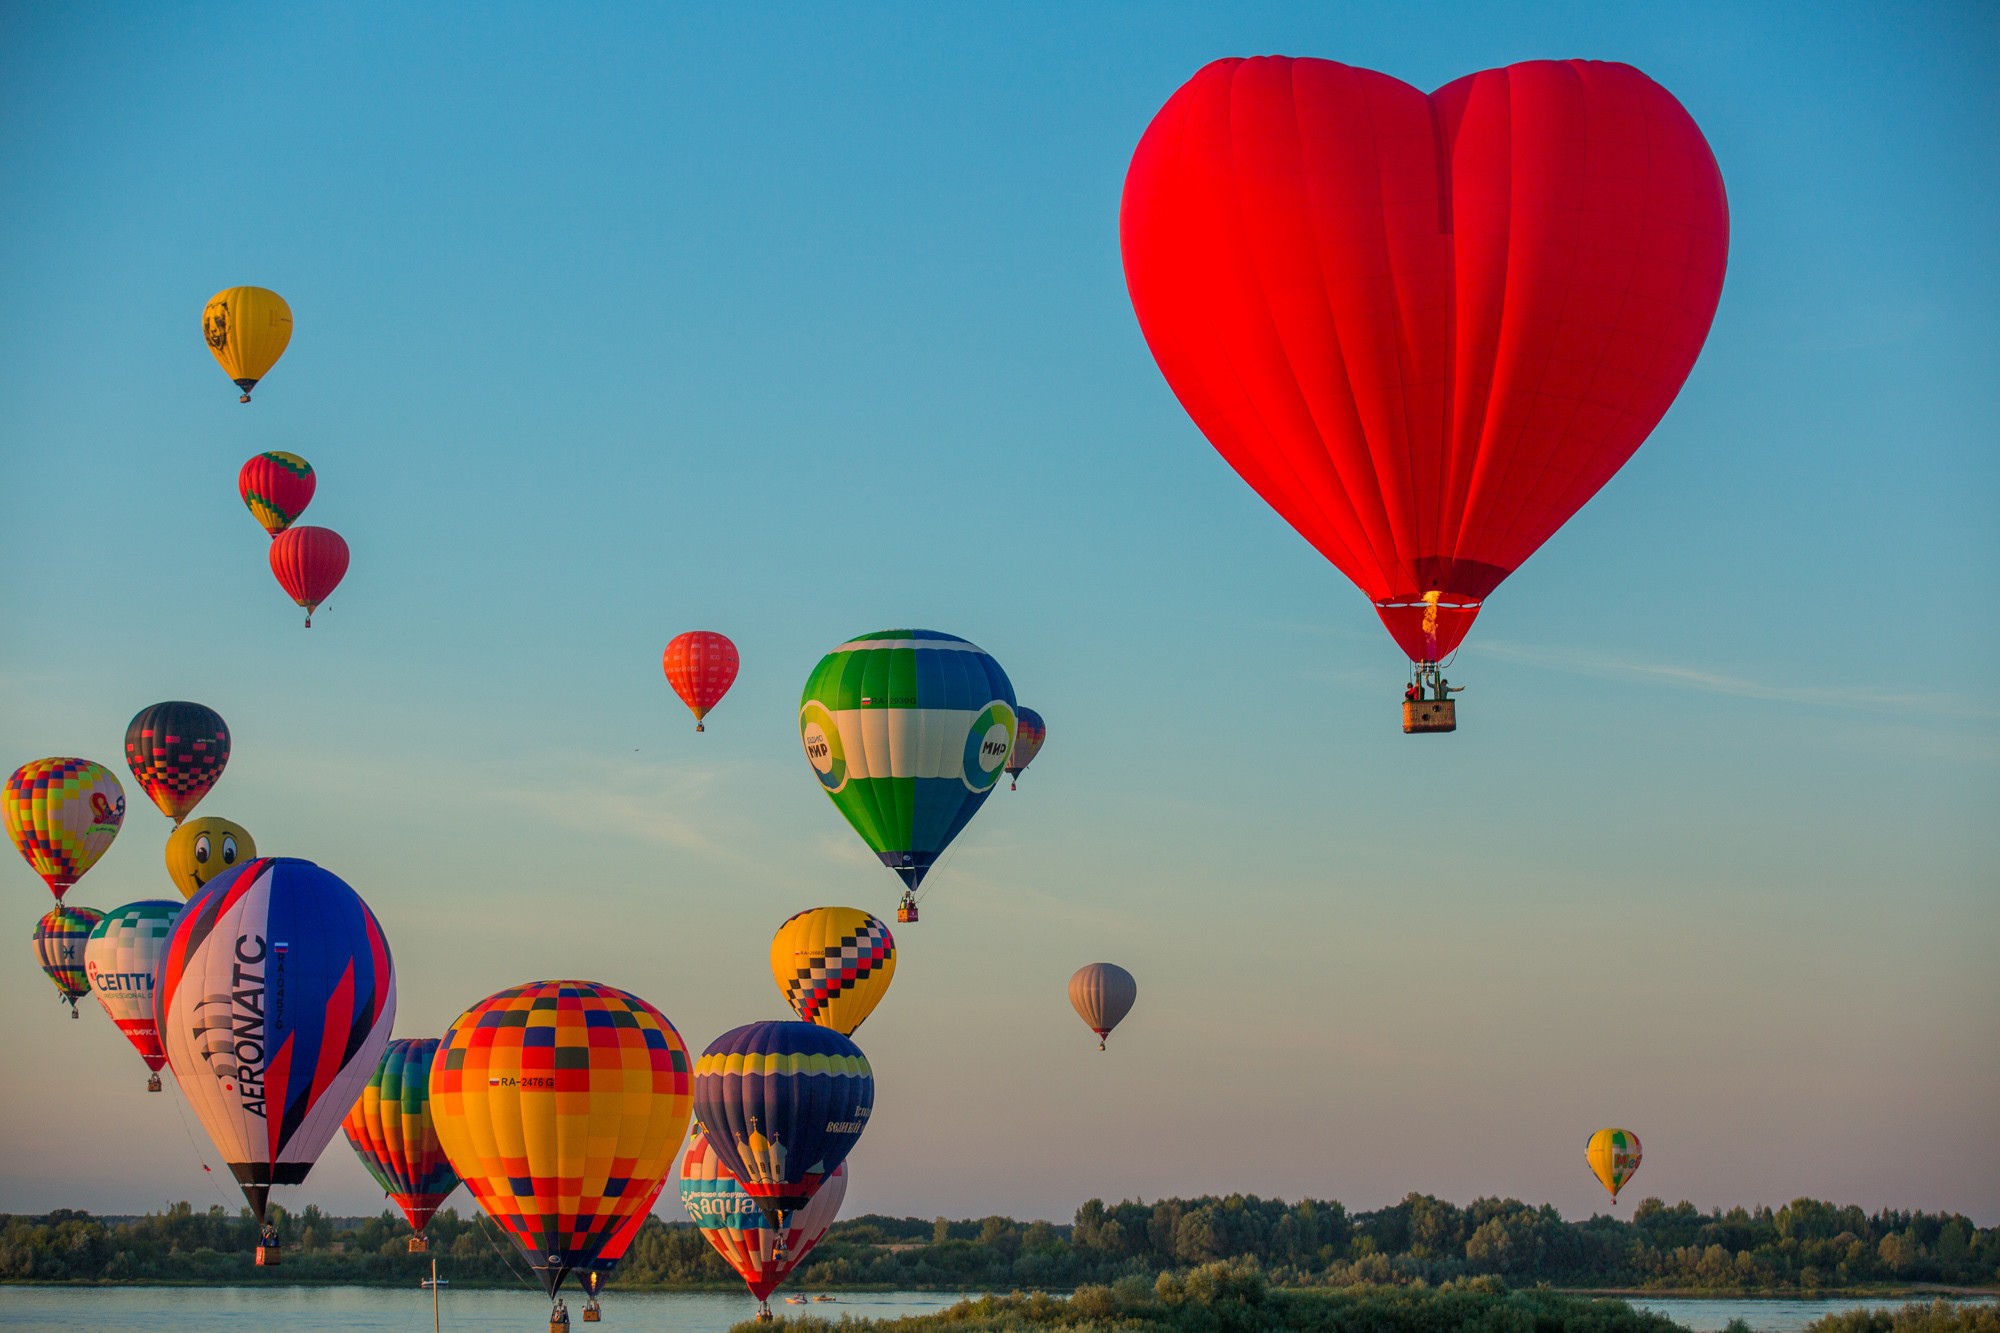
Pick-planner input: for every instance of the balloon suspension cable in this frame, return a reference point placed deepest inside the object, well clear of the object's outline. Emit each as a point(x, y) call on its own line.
point(194, 1148)
point(506, 1260)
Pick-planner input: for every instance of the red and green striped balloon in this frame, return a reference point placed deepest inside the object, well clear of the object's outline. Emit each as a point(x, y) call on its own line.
point(276, 487)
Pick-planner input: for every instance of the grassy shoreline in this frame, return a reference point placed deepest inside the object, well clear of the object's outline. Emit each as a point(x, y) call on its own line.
point(1914, 1292)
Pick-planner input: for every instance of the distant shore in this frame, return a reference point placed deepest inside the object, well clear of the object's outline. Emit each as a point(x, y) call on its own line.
point(1803, 1250)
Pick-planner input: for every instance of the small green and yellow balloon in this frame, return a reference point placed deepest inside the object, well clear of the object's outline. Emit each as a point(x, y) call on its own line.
point(1613, 1155)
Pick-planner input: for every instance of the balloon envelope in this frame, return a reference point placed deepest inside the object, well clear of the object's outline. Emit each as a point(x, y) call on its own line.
point(276, 488)
point(1029, 733)
point(309, 564)
point(561, 1104)
point(60, 937)
point(392, 1132)
point(247, 329)
point(833, 965)
point(701, 666)
point(907, 730)
point(1613, 1155)
point(201, 849)
point(177, 750)
point(782, 1105)
point(122, 960)
point(275, 1001)
point(735, 1225)
point(1102, 994)
point(1425, 329)
point(62, 815)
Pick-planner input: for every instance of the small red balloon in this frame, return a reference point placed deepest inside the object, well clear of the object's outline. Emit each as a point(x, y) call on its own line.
point(701, 666)
point(309, 563)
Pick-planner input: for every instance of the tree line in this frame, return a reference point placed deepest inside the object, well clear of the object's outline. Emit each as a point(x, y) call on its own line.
point(1806, 1245)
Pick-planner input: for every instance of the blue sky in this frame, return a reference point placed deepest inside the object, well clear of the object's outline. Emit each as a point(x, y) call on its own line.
point(800, 322)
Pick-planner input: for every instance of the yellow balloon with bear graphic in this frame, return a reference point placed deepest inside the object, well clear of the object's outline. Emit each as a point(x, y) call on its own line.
point(247, 329)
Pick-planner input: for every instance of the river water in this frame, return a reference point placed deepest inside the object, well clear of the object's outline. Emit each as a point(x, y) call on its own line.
point(350, 1309)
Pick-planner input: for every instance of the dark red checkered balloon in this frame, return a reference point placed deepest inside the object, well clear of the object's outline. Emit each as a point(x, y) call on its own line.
point(177, 750)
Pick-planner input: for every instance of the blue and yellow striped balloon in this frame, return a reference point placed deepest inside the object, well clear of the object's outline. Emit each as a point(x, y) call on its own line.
point(782, 1105)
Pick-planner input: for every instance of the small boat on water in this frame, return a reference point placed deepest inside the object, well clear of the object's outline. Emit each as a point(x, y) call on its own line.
point(429, 1282)
point(795, 1300)
point(823, 1298)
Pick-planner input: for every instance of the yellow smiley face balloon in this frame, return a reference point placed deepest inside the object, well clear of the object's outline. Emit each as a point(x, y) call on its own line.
point(201, 849)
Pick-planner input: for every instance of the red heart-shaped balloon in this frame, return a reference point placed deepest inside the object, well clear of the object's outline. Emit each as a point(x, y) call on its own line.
point(1426, 329)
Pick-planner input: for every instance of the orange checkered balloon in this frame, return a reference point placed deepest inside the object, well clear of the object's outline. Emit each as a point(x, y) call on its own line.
point(701, 666)
point(561, 1105)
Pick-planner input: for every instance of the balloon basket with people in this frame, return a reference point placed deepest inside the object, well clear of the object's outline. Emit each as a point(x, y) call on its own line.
point(1427, 702)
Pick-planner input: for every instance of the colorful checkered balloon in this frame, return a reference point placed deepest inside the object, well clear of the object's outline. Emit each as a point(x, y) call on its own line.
point(561, 1105)
point(62, 815)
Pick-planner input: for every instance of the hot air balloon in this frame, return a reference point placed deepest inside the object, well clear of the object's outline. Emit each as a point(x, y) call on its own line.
point(201, 849)
point(1425, 329)
point(1613, 1155)
point(62, 815)
point(247, 329)
point(1029, 733)
point(177, 750)
point(391, 1130)
point(309, 564)
point(275, 1002)
point(598, 1269)
point(701, 666)
point(1102, 994)
point(561, 1105)
point(276, 488)
point(834, 965)
point(735, 1225)
point(782, 1105)
point(59, 940)
point(908, 730)
point(122, 961)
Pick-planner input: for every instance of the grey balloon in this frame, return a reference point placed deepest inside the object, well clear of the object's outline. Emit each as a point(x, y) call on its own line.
point(1102, 994)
